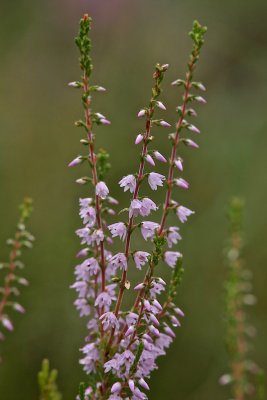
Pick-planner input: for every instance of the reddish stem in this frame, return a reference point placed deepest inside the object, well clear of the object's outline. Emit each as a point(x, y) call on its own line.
point(169, 191)
point(130, 222)
point(95, 181)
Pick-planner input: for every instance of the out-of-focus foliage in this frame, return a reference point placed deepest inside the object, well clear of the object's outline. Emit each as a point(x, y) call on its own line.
point(38, 58)
point(48, 383)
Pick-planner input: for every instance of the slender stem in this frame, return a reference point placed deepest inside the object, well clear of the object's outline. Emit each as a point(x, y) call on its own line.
point(238, 367)
point(174, 148)
point(151, 267)
point(131, 219)
point(95, 180)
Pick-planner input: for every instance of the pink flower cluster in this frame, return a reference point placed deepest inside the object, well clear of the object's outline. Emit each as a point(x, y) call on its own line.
point(123, 346)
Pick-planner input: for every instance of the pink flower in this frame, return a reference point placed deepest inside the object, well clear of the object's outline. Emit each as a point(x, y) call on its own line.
point(171, 258)
point(200, 99)
point(143, 383)
point(74, 84)
point(169, 331)
point(160, 105)
point(159, 156)
point(83, 307)
point(118, 229)
point(135, 208)
point(131, 318)
point(147, 205)
point(139, 138)
point(155, 180)
point(98, 236)
point(179, 164)
point(91, 265)
point(116, 387)
point(78, 160)
point(7, 324)
point(140, 258)
point(165, 124)
point(109, 320)
point(128, 182)
point(82, 253)
point(103, 300)
point(141, 113)
point(183, 212)
point(148, 229)
point(19, 308)
point(101, 190)
point(88, 215)
point(173, 236)
point(191, 143)
point(104, 121)
point(119, 260)
point(150, 160)
point(193, 128)
point(181, 183)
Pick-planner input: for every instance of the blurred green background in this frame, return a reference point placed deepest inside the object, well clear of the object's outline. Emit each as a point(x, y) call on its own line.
point(37, 140)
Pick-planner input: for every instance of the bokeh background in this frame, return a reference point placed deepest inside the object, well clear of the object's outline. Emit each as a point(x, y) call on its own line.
point(38, 139)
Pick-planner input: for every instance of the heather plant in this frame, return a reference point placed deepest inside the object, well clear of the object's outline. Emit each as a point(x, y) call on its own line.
point(123, 345)
point(245, 378)
point(10, 275)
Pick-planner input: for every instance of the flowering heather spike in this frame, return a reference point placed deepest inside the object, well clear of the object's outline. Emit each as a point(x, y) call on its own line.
point(237, 287)
point(21, 240)
point(123, 346)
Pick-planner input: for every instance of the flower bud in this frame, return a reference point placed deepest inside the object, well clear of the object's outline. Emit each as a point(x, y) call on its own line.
point(191, 143)
point(141, 113)
point(139, 138)
point(150, 160)
point(143, 383)
point(160, 105)
point(193, 128)
point(116, 388)
point(78, 160)
point(130, 331)
point(178, 82)
point(159, 156)
point(165, 124)
point(131, 385)
point(200, 99)
point(140, 286)
point(164, 67)
point(82, 181)
point(75, 84)
point(179, 164)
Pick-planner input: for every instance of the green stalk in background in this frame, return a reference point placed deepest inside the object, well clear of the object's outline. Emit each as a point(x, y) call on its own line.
point(245, 378)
